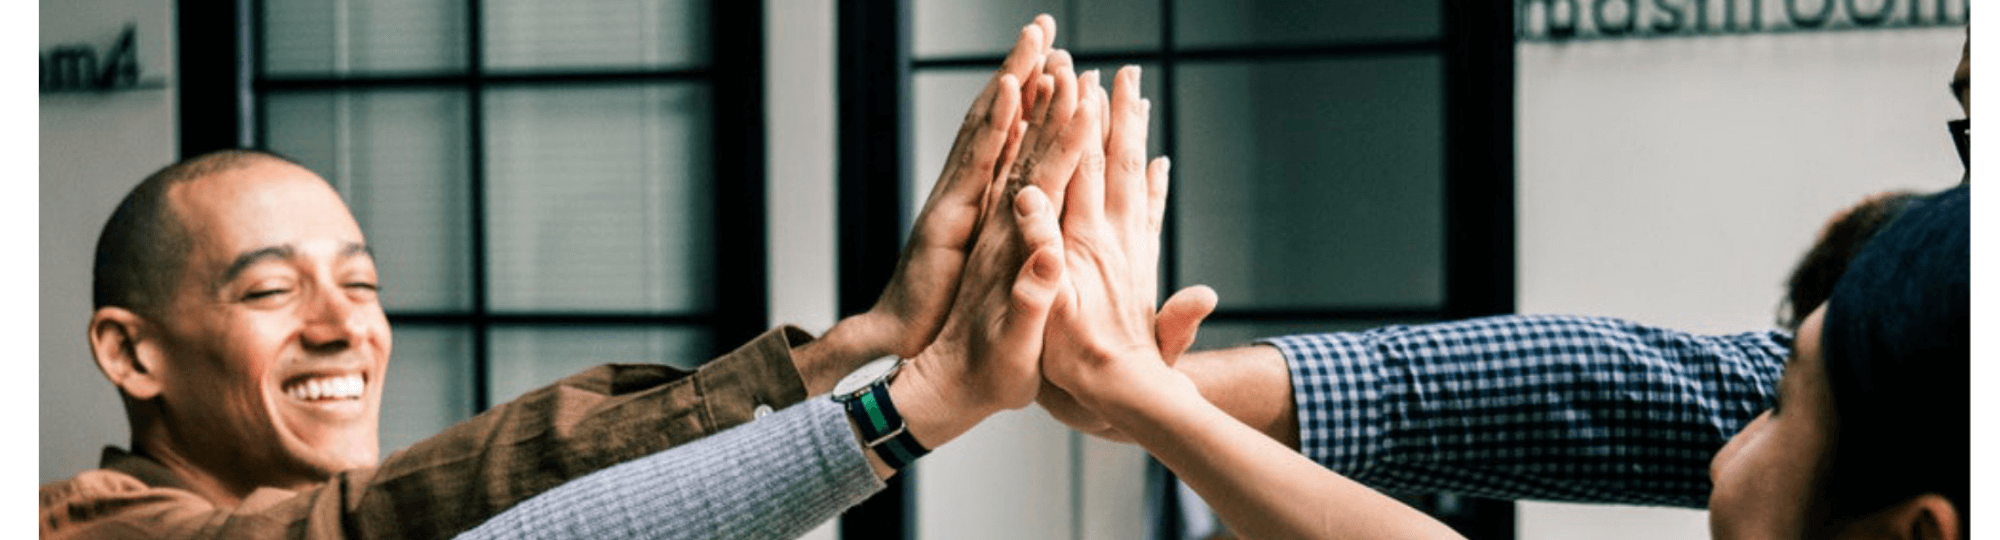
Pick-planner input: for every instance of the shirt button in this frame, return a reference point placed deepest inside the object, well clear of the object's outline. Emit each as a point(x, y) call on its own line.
point(761, 411)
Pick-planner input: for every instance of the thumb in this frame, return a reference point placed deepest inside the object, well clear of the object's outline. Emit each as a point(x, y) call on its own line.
point(1180, 317)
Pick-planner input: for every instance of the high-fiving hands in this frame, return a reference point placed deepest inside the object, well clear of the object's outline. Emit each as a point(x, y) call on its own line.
point(1033, 270)
point(986, 357)
point(912, 309)
point(1104, 339)
point(1046, 163)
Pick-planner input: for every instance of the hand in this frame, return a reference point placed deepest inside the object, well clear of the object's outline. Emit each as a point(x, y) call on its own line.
point(1102, 332)
point(987, 356)
point(912, 307)
point(1180, 318)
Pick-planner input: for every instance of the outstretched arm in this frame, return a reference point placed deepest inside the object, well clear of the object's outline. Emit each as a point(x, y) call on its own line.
point(1103, 349)
point(779, 476)
point(1549, 407)
point(782, 475)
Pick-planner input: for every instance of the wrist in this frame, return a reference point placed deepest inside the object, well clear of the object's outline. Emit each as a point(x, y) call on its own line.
point(842, 349)
point(1143, 401)
point(934, 412)
point(1125, 387)
point(1252, 384)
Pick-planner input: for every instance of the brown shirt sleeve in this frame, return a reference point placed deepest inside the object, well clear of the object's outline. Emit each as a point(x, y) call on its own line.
point(456, 480)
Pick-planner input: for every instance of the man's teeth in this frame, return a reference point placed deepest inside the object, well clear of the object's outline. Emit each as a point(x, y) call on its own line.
point(343, 387)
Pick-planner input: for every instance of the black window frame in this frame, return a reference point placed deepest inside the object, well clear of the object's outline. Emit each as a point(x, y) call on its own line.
point(233, 93)
point(1476, 45)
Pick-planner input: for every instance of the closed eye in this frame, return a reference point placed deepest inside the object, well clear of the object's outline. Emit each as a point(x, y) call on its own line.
point(260, 294)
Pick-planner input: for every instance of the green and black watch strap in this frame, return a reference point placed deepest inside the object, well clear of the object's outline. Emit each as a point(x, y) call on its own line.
point(883, 427)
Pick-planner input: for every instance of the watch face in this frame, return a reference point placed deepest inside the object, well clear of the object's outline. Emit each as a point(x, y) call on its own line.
point(864, 376)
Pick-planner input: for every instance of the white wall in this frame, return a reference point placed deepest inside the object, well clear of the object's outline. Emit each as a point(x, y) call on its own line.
point(94, 147)
point(1676, 181)
point(799, 93)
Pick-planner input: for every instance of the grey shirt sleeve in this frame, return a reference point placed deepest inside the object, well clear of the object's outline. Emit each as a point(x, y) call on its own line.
point(776, 477)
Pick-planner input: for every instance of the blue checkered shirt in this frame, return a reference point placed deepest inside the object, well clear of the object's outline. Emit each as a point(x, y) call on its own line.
point(1544, 407)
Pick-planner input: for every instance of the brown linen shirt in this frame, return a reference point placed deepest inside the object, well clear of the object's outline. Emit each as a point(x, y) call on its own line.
point(458, 479)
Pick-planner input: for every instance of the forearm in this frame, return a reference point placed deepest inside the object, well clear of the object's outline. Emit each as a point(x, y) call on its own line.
point(584, 423)
point(1259, 487)
point(1252, 384)
point(774, 478)
point(1530, 407)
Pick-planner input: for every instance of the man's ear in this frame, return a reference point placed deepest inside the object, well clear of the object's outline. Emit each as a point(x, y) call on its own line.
point(118, 339)
point(1924, 517)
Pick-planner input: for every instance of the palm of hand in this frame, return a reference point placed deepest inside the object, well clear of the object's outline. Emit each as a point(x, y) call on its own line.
point(914, 305)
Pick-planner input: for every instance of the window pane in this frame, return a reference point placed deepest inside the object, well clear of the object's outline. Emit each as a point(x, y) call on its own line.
point(1013, 476)
point(599, 198)
point(1220, 335)
point(940, 99)
point(1149, 88)
point(1215, 23)
point(530, 357)
point(1312, 183)
point(399, 158)
point(943, 95)
point(429, 384)
point(962, 27)
point(988, 27)
point(627, 34)
point(1116, 25)
point(316, 37)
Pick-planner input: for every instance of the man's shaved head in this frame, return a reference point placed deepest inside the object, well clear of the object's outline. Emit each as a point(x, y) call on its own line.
point(144, 246)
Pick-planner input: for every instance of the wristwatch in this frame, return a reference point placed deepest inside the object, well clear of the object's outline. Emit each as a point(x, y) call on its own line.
point(865, 394)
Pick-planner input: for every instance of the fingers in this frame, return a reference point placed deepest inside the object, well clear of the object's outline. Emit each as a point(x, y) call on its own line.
point(1030, 47)
point(1063, 103)
point(1156, 192)
point(1040, 235)
point(1144, 240)
point(1085, 193)
point(1125, 183)
point(990, 141)
point(1034, 290)
point(990, 205)
point(1042, 90)
point(1180, 317)
point(975, 166)
point(1104, 113)
point(976, 152)
point(1048, 26)
point(1048, 156)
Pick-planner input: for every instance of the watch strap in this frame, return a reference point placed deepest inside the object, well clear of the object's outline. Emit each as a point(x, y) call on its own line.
point(882, 426)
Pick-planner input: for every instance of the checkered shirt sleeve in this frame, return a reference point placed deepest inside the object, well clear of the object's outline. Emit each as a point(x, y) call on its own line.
point(1563, 408)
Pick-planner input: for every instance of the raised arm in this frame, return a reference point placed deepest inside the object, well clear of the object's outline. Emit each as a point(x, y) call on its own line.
point(1103, 349)
point(779, 476)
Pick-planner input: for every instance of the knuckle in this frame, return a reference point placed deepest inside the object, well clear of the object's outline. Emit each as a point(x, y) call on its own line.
point(1130, 165)
point(1027, 299)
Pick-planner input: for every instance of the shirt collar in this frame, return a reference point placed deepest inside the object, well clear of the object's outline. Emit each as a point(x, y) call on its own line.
point(144, 468)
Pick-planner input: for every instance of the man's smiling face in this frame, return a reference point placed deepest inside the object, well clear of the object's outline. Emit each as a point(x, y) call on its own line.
point(274, 342)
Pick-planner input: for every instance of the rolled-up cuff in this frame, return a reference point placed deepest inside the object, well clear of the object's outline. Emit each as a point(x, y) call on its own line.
point(758, 374)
